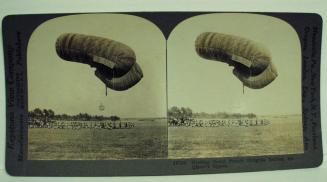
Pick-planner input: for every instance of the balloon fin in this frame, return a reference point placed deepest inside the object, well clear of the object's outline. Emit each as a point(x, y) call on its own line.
point(242, 60)
point(104, 61)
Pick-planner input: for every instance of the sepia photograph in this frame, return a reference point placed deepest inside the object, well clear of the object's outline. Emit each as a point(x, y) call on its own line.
point(96, 90)
point(234, 87)
point(161, 93)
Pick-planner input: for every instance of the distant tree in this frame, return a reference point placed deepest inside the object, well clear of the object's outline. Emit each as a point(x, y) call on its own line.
point(223, 115)
point(38, 113)
point(174, 112)
point(45, 115)
point(84, 117)
point(114, 118)
point(98, 118)
point(181, 114)
point(64, 117)
point(251, 115)
point(186, 113)
point(87, 117)
point(51, 114)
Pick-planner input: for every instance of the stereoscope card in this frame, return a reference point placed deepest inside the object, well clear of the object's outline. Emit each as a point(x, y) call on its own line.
point(161, 93)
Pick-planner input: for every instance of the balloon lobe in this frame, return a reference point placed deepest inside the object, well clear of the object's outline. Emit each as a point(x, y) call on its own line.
point(114, 61)
point(251, 60)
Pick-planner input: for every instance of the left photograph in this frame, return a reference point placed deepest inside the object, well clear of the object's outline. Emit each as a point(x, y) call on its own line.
point(97, 89)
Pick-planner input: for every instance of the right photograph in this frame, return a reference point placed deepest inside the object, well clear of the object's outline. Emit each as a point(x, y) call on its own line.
point(234, 87)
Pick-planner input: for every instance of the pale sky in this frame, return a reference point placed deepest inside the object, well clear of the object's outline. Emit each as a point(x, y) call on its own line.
point(68, 87)
point(210, 86)
point(202, 85)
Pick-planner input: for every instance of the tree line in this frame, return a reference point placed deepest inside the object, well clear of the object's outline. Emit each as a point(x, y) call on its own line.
point(47, 115)
point(223, 115)
point(184, 113)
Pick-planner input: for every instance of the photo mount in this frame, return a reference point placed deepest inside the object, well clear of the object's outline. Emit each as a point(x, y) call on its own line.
point(17, 30)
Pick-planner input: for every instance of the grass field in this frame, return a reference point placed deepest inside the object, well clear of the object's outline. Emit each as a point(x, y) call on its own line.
point(148, 139)
point(282, 136)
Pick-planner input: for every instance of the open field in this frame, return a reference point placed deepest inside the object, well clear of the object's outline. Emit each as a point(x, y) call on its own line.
point(148, 139)
point(283, 135)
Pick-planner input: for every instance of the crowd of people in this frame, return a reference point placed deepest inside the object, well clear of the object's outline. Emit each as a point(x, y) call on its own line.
point(81, 124)
point(192, 122)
